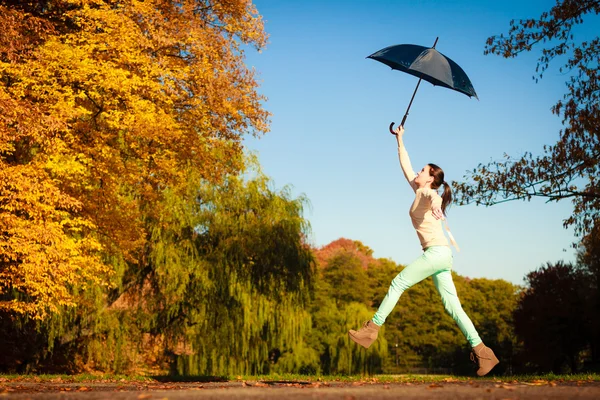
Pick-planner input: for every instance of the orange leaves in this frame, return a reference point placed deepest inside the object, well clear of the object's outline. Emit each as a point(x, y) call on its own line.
point(45, 250)
point(101, 109)
point(21, 32)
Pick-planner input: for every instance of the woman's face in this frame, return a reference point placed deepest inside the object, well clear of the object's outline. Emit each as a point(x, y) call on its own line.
point(424, 178)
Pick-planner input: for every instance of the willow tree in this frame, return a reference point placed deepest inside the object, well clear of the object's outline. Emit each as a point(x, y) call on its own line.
point(103, 105)
point(230, 277)
point(568, 169)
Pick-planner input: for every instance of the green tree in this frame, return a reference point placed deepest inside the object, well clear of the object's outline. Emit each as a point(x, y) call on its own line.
point(380, 275)
point(332, 319)
point(490, 305)
point(550, 315)
point(569, 169)
point(588, 261)
point(342, 302)
point(230, 276)
point(346, 277)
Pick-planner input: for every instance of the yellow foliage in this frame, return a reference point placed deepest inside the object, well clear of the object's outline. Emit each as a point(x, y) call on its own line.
point(103, 105)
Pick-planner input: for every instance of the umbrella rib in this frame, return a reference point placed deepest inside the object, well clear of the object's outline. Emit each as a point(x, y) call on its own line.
point(414, 93)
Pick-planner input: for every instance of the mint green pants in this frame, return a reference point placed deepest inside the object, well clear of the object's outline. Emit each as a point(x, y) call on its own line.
point(436, 262)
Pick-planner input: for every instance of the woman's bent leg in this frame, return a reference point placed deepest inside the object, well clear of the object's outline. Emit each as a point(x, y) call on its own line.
point(445, 286)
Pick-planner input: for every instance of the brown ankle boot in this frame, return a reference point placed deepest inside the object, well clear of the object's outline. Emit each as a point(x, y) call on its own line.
point(366, 335)
point(485, 358)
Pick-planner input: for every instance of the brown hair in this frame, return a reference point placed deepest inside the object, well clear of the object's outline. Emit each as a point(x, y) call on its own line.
point(438, 180)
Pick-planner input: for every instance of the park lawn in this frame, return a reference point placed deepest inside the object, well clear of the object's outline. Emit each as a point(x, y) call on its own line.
point(408, 378)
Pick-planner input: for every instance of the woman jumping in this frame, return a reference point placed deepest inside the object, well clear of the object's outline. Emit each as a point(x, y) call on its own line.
point(426, 211)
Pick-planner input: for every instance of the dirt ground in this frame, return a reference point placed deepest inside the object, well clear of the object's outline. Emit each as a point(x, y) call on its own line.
point(476, 389)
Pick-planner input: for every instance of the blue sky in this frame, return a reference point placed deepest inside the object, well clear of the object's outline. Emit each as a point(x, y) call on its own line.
point(331, 107)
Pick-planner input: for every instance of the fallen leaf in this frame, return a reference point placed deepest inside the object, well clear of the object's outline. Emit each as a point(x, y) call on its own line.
point(144, 396)
point(435, 385)
point(536, 383)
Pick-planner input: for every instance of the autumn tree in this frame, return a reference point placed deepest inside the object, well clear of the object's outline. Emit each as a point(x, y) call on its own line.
point(568, 169)
point(103, 105)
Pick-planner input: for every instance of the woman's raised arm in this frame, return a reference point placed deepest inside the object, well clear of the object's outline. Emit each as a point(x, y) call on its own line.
point(409, 173)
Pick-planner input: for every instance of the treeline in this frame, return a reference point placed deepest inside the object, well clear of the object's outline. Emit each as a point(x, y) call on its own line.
point(418, 336)
point(256, 299)
point(551, 324)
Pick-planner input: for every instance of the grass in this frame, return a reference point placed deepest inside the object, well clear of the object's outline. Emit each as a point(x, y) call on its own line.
point(112, 378)
point(412, 378)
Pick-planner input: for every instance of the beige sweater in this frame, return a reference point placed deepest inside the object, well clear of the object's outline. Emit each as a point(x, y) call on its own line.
point(429, 230)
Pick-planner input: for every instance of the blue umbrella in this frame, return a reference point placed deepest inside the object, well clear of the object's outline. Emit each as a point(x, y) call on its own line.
point(425, 63)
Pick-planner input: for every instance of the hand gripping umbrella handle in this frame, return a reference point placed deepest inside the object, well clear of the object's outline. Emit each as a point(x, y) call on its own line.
point(401, 124)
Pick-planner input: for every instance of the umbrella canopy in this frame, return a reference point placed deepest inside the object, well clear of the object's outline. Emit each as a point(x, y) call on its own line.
point(426, 63)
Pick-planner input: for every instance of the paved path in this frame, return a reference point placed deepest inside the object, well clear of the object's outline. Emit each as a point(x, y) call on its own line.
point(476, 389)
